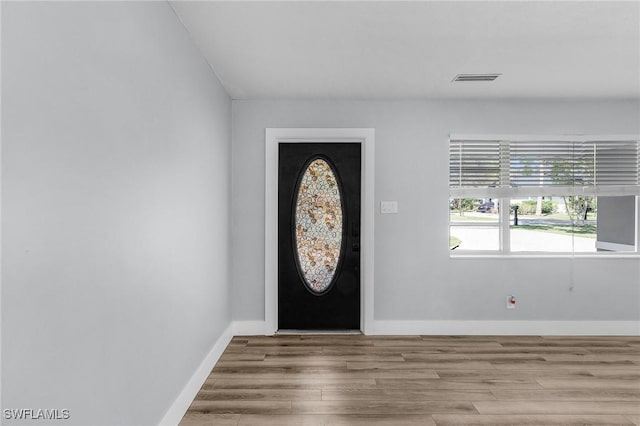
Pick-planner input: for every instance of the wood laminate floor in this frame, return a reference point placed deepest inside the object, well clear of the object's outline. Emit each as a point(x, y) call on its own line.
point(422, 380)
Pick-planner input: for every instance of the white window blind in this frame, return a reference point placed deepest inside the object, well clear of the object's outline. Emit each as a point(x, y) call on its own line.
point(474, 164)
point(616, 164)
point(546, 164)
point(530, 167)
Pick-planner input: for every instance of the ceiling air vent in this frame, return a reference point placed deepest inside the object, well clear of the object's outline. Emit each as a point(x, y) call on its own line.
point(476, 77)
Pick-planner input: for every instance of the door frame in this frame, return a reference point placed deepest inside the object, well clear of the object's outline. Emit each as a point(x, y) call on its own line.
point(273, 138)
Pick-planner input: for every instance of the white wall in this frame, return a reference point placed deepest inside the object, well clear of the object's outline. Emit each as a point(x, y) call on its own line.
point(414, 277)
point(115, 209)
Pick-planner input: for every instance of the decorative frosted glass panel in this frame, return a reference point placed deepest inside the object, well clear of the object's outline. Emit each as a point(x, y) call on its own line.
point(318, 225)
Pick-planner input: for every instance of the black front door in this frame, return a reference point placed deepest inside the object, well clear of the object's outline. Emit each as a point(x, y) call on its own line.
point(319, 236)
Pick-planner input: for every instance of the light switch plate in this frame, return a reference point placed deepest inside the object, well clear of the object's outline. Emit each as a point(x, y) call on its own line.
point(388, 207)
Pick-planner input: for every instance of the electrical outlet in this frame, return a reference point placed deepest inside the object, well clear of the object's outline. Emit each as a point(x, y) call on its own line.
point(511, 302)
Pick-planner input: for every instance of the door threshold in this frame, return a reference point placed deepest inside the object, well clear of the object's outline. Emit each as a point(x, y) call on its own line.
point(293, 331)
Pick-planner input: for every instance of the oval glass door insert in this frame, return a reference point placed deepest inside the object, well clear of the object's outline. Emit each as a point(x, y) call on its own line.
point(318, 226)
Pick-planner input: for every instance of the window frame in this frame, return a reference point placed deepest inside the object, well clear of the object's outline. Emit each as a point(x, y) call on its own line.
point(504, 196)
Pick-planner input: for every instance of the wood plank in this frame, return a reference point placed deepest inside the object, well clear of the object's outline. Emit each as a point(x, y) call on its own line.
point(437, 356)
point(363, 356)
point(245, 375)
point(570, 394)
point(311, 373)
point(289, 362)
point(335, 420)
point(556, 407)
point(243, 356)
point(241, 407)
point(507, 383)
point(527, 419)
point(491, 357)
point(277, 350)
point(293, 383)
point(415, 365)
point(280, 420)
point(501, 375)
point(383, 350)
point(616, 373)
point(629, 357)
point(380, 407)
point(431, 344)
point(601, 339)
point(616, 350)
point(259, 394)
point(531, 349)
point(368, 374)
point(579, 343)
point(379, 420)
point(406, 395)
point(588, 383)
point(193, 418)
point(520, 365)
point(475, 338)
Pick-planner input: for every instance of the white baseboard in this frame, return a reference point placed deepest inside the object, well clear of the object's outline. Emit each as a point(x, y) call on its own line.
point(544, 328)
point(179, 407)
point(249, 328)
point(471, 327)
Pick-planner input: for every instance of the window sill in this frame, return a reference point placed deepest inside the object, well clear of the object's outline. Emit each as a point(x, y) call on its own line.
point(532, 255)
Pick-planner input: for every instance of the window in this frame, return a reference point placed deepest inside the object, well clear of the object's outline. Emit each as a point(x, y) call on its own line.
point(523, 194)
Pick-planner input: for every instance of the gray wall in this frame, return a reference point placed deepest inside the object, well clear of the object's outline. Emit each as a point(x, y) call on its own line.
point(414, 277)
point(115, 209)
point(616, 219)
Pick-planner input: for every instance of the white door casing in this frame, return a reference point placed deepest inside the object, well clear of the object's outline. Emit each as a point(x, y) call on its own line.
point(273, 137)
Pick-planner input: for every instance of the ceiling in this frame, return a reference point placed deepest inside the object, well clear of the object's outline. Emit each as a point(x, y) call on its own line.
point(412, 50)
